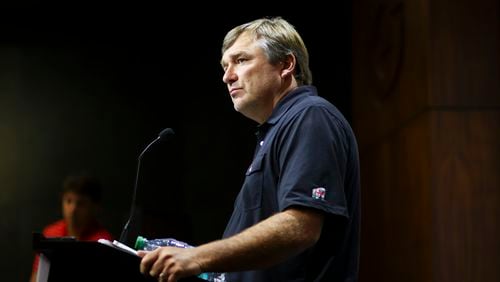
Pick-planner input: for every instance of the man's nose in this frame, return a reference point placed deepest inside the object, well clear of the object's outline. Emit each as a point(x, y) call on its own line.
point(229, 76)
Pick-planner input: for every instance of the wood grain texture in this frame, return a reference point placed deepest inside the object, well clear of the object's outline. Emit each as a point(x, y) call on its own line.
point(466, 195)
point(430, 141)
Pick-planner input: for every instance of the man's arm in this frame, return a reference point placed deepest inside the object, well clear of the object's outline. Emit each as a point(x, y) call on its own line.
point(271, 241)
point(267, 243)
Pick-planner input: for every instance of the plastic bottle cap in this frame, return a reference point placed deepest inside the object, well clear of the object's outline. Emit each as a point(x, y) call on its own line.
point(140, 243)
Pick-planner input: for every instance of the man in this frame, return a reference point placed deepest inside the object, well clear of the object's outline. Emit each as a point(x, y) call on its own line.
point(296, 217)
point(81, 197)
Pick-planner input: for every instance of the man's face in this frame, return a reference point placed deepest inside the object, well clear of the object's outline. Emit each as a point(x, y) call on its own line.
point(78, 210)
point(252, 81)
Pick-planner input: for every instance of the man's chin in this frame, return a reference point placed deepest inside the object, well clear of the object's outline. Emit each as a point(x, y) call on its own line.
point(236, 105)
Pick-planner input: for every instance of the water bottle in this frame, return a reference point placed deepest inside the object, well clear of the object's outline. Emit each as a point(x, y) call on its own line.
point(142, 243)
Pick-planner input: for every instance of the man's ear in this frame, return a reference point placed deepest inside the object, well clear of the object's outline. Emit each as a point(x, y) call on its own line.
point(288, 66)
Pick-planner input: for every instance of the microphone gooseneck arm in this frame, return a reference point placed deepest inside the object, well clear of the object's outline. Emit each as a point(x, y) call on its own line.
point(163, 134)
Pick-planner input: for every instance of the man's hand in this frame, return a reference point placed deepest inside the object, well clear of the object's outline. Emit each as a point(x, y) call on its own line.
point(169, 263)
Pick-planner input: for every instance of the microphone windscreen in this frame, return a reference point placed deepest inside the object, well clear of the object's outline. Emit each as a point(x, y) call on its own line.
point(167, 132)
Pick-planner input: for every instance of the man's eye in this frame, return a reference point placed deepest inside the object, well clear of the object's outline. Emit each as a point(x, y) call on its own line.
point(240, 60)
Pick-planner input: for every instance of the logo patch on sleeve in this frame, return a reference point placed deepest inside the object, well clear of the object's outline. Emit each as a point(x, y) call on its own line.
point(319, 193)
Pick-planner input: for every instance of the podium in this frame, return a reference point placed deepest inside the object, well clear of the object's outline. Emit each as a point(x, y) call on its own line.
point(65, 259)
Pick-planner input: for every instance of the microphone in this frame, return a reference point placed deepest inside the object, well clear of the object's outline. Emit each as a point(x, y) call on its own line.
point(163, 135)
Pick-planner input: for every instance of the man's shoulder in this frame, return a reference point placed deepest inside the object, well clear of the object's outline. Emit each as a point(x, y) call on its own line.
point(308, 97)
point(308, 105)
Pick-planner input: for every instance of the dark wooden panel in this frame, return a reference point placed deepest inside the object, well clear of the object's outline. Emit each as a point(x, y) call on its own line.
point(465, 53)
point(426, 109)
point(431, 200)
point(396, 207)
point(466, 195)
point(409, 56)
point(389, 65)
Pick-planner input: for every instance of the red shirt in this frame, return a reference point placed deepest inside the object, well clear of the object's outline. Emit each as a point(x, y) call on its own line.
point(60, 229)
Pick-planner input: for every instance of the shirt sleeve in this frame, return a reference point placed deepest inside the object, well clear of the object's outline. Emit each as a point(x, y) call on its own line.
point(312, 159)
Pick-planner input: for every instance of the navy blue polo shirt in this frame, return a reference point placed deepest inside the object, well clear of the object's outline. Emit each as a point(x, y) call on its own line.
point(306, 155)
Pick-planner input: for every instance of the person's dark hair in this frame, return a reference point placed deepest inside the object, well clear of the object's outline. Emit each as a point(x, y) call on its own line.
point(83, 184)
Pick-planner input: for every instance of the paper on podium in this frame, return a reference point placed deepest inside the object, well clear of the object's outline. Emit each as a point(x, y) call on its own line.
point(117, 245)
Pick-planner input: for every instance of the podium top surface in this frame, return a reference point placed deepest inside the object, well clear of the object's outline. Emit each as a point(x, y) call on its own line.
point(90, 261)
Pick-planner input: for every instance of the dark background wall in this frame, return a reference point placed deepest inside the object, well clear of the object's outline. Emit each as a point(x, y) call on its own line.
point(426, 110)
point(81, 92)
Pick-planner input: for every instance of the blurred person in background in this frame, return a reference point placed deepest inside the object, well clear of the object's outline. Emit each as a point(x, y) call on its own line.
point(80, 199)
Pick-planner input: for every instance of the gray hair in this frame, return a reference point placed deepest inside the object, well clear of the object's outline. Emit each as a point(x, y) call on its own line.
point(278, 39)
